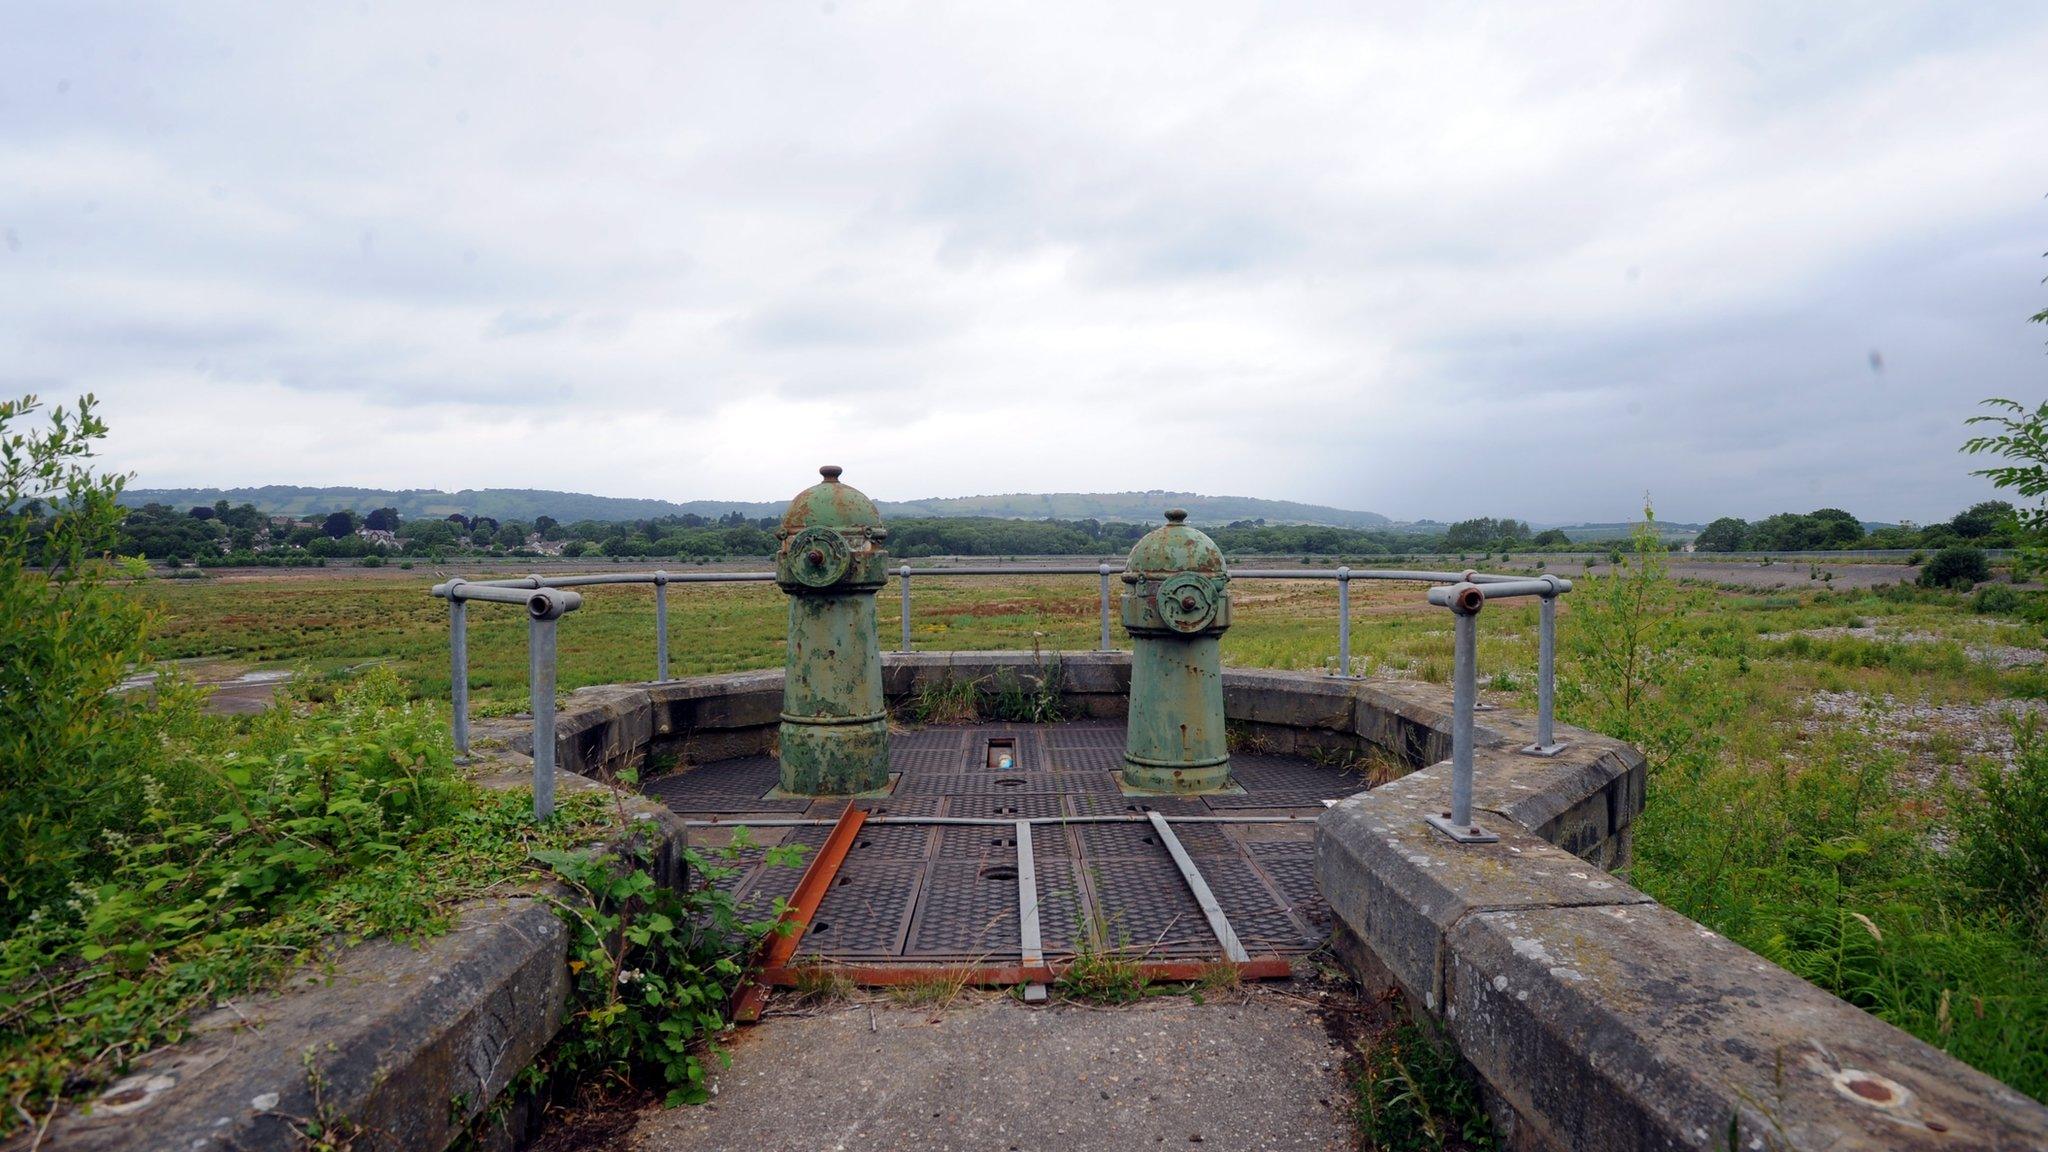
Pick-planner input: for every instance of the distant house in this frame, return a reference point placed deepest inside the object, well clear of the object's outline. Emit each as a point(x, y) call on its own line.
point(380, 536)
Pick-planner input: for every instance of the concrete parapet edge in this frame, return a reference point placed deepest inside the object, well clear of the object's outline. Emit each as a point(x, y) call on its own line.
point(1599, 1019)
point(408, 1042)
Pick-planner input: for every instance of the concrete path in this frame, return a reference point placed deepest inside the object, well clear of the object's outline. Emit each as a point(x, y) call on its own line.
point(1256, 1071)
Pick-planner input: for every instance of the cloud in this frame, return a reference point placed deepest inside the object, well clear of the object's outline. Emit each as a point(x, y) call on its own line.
point(1430, 262)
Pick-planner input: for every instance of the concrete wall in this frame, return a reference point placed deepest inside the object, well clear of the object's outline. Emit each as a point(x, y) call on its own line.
point(1599, 1019)
point(1584, 799)
point(408, 1043)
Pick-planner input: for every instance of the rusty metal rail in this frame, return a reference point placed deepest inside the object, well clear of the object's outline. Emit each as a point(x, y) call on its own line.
point(781, 944)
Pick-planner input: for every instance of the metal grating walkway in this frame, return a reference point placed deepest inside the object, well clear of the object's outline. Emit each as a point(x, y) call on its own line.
point(947, 894)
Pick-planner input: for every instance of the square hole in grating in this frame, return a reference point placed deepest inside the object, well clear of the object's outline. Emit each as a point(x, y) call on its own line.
point(1030, 806)
point(1144, 906)
point(866, 910)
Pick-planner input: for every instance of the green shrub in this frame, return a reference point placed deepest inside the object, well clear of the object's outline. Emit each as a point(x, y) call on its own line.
point(2000, 599)
point(1956, 567)
point(71, 748)
point(2002, 831)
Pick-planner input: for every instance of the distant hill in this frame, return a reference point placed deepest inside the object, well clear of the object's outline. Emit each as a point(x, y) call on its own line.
point(527, 503)
point(1623, 530)
point(1135, 508)
point(412, 503)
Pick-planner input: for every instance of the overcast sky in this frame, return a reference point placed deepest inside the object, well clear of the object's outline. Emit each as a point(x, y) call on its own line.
point(1440, 261)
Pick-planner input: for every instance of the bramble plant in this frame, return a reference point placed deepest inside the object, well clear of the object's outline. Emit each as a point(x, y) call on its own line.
point(69, 745)
point(653, 969)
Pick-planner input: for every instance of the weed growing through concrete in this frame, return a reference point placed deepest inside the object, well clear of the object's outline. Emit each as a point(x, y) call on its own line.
point(1414, 1094)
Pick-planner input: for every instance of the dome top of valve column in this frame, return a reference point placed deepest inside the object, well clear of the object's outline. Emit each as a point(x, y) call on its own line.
point(1173, 548)
point(831, 503)
point(831, 538)
point(1178, 585)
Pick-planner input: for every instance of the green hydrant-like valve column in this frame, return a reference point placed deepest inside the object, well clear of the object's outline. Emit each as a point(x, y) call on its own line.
point(835, 734)
point(1176, 606)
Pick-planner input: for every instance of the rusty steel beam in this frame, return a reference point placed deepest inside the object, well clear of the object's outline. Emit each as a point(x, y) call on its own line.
point(796, 914)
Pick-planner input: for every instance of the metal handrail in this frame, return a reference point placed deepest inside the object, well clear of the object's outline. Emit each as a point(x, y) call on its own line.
point(1464, 593)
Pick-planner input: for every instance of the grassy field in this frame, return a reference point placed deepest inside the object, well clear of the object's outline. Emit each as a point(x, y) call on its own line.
point(1814, 751)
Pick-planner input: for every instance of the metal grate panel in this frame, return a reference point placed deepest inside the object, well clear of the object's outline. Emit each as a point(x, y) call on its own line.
point(1120, 805)
point(902, 842)
point(704, 805)
point(1010, 807)
point(1206, 840)
point(992, 842)
point(1295, 876)
point(866, 911)
point(979, 784)
point(927, 760)
point(1119, 841)
point(1271, 798)
point(1145, 908)
point(763, 884)
point(1087, 735)
point(1100, 760)
point(969, 908)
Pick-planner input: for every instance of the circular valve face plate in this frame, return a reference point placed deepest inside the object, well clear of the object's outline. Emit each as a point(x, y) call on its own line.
point(819, 556)
point(1187, 603)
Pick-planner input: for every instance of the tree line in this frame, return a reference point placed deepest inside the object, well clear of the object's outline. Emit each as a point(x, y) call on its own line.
point(1989, 524)
point(224, 534)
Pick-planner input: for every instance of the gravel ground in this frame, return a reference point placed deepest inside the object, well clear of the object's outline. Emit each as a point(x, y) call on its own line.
point(1916, 730)
point(1998, 655)
point(1251, 1071)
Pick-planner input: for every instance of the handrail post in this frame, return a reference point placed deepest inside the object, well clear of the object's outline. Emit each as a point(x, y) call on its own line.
point(1546, 743)
point(540, 653)
point(1343, 620)
point(543, 608)
point(1102, 644)
point(904, 574)
point(458, 667)
point(660, 625)
point(1466, 601)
